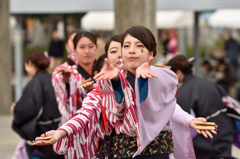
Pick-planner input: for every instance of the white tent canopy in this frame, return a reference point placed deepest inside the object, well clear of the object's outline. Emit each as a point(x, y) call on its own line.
point(104, 20)
point(174, 19)
point(225, 18)
point(98, 20)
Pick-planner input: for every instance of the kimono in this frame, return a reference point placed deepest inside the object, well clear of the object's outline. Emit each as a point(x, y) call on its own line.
point(69, 97)
point(127, 116)
point(204, 99)
point(37, 112)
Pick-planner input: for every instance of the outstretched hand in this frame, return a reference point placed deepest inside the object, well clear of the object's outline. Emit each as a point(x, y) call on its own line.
point(110, 72)
point(56, 134)
point(144, 70)
point(205, 133)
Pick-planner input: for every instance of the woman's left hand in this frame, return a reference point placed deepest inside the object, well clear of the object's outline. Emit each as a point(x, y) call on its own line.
point(12, 107)
point(205, 133)
point(144, 70)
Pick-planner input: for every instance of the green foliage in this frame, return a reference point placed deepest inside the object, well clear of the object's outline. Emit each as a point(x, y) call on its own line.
point(27, 49)
point(190, 51)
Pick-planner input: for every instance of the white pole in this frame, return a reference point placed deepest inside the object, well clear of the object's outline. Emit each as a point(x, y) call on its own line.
point(18, 59)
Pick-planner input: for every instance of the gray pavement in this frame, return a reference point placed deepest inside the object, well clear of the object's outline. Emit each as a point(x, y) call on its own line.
point(9, 139)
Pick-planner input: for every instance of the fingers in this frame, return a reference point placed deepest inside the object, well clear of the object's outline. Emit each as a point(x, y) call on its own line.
point(198, 131)
point(201, 119)
point(209, 134)
point(43, 143)
point(153, 74)
point(88, 84)
point(97, 76)
point(146, 75)
point(213, 131)
point(204, 134)
point(150, 60)
point(107, 62)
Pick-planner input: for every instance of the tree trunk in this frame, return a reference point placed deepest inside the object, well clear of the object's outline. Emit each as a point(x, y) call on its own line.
point(135, 12)
point(5, 59)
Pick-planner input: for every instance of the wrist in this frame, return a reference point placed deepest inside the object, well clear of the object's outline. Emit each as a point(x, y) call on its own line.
point(62, 133)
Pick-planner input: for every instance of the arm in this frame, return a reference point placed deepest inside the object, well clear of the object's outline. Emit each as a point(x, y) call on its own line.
point(88, 114)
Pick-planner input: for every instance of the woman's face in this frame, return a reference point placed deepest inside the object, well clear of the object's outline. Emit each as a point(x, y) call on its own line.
point(134, 53)
point(180, 76)
point(114, 53)
point(86, 51)
point(30, 68)
point(69, 46)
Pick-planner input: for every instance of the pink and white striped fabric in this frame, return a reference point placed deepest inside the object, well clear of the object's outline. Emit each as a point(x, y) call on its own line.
point(84, 128)
point(72, 56)
point(68, 106)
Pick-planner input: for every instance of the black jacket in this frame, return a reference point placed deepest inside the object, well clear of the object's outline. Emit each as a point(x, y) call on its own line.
point(37, 95)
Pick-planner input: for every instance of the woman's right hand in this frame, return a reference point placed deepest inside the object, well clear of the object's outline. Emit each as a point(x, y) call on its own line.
point(66, 75)
point(110, 72)
point(56, 134)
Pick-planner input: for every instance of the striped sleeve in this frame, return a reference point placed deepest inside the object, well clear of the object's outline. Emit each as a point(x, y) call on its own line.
point(82, 130)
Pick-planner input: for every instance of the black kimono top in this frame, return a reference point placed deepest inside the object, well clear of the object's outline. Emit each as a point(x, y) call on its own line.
point(204, 98)
point(38, 98)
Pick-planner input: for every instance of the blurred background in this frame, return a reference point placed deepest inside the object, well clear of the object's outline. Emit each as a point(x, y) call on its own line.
point(200, 29)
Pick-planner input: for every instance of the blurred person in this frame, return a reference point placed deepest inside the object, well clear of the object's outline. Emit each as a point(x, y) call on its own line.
point(207, 71)
point(232, 51)
point(36, 112)
point(56, 51)
point(165, 44)
point(69, 46)
point(120, 111)
point(223, 75)
point(69, 97)
point(172, 44)
point(113, 51)
point(203, 98)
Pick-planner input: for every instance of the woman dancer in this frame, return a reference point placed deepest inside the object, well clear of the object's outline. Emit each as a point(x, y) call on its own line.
point(204, 99)
point(37, 112)
point(130, 130)
point(66, 77)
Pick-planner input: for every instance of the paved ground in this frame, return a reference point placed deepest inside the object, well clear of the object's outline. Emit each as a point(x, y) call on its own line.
point(9, 139)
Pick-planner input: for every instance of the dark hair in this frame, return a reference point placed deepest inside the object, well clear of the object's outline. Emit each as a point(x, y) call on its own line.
point(116, 38)
point(69, 35)
point(100, 62)
point(38, 59)
point(89, 35)
point(206, 62)
point(181, 63)
point(144, 35)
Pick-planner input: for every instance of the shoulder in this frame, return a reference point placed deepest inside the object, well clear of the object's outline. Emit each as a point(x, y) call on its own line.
point(165, 74)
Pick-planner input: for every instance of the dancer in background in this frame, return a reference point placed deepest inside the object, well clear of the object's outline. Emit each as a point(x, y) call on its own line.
point(56, 51)
point(205, 100)
point(37, 112)
point(66, 77)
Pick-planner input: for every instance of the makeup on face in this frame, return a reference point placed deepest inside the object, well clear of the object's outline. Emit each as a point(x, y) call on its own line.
point(86, 50)
point(134, 52)
point(114, 53)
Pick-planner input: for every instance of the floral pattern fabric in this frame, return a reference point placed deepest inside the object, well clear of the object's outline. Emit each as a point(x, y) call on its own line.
point(123, 146)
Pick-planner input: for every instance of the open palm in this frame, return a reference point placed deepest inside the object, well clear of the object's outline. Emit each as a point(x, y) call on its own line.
point(110, 72)
point(144, 70)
